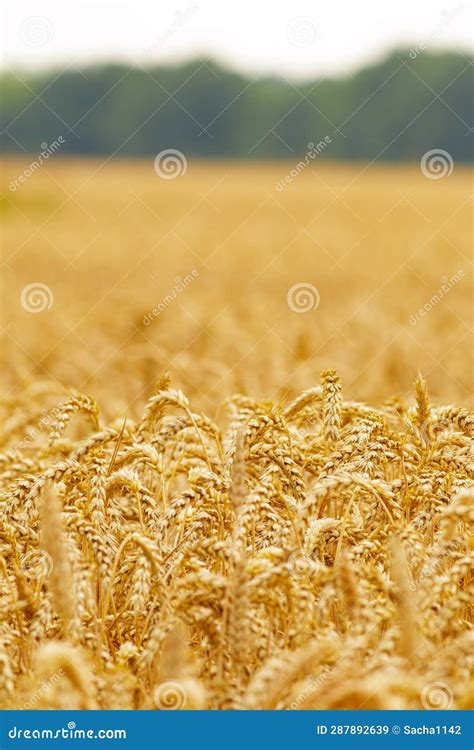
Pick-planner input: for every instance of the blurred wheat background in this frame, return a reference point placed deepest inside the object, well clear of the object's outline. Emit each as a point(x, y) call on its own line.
point(111, 242)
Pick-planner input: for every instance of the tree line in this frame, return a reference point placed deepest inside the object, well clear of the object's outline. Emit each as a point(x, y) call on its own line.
point(395, 109)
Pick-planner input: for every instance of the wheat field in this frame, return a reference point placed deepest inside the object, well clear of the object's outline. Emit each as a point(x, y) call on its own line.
point(236, 462)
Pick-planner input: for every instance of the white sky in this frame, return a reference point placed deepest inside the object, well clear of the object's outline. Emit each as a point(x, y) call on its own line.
point(295, 37)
